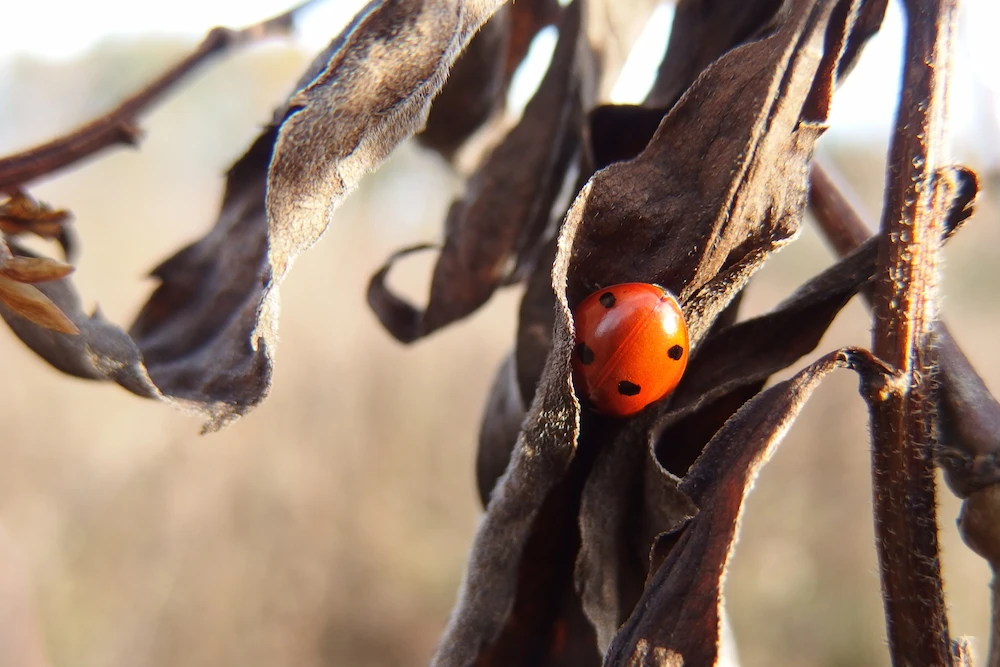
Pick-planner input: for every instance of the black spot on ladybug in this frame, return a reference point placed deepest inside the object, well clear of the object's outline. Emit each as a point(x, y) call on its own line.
point(626, 388)
point(607, 300)
point(585, 354)
point(675, 352)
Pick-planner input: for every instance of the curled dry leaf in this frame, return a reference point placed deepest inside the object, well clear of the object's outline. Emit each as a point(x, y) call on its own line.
point(478, 83)
point(969, 450)
point(205, 338)
point(701, 231)
point(22, 214)
point(541, 457)
point(496, 226)
point(677, 619)
point(34, 269)
point(620, 132)
point(24, 300)
point(189, 343)
point(514, 387)
point(101, 351)
point(700, 33)
point(340, 126)
point(474, 91)
point(27, 301)
point(194, 329)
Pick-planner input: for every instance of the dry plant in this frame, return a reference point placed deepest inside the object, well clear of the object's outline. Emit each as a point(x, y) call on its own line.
point(604, 540)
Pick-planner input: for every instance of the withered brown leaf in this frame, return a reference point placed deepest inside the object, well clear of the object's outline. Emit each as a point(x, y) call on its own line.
point(205, 338)
point(701, 32)
point(373, 91)
point(22, 213)
point(101, 351)
point(508, 201)
point(474, 90)
point(33, 269)
point(677, 619)
point(478, 82)
point(19, 298)
point(27, 301)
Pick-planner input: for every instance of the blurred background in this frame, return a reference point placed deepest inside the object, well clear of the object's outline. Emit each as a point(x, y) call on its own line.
point(330, 526)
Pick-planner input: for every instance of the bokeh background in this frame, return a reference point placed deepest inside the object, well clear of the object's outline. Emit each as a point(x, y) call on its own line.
point(330, 526)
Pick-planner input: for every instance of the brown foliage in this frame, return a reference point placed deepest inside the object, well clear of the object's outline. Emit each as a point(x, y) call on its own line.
point(604, 540)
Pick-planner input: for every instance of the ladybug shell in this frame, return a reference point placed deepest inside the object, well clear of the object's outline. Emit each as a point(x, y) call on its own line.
point(631, 347)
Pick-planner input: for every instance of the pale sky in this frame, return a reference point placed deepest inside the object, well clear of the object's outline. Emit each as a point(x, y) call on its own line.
point(864, 106)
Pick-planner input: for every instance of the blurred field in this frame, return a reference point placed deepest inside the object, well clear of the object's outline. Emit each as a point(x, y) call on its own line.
point(330, 526)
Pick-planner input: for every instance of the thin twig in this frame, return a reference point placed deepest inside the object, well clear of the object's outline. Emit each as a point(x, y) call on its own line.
point(902, 411)
point(836, 211)
point(120, 125)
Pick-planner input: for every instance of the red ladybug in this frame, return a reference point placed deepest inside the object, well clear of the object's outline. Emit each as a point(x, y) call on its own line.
point(631, 347)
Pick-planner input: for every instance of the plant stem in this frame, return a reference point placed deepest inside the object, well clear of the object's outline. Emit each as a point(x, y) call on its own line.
point(119, 125)
point(902, 410)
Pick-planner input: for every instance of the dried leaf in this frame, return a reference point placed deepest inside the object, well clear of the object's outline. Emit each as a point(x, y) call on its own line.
point(475, 89)
point(478, 82)
point(624, 504)
point(754, 349)
point(188, 344)
point(677, 619)
point(30, 303)
point(978, 521)
point(204, 341)
point(514, 386)
point(546, 625)
point(507, 205)
point(970, 423)
point(701, 32)
point(21, 214)
point(373, 91)
point(536, 317)
point(501, 425)
point(194, 332)
point(543, 453)
point(101, 351)
point(731, 367)
point(701, 231)
point(34, 269)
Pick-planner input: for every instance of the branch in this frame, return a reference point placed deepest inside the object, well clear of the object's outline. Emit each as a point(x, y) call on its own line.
point(120, 125)
point(970, 432)
point(970, 438)
point(903, 417)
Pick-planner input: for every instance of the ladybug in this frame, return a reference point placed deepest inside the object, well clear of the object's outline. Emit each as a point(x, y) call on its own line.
point(631, 347)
